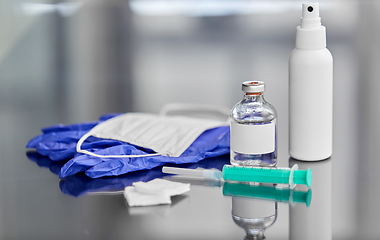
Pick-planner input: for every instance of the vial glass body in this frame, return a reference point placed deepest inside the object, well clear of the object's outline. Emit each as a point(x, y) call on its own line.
point(253, 132)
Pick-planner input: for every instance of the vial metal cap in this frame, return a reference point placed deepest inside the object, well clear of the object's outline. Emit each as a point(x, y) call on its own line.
point(253, 86)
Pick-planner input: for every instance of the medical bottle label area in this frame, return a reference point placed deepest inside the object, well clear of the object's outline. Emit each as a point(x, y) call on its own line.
point(257, 139)
point(253, 128)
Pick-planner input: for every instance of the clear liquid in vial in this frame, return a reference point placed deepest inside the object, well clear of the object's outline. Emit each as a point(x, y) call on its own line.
point(253, 128)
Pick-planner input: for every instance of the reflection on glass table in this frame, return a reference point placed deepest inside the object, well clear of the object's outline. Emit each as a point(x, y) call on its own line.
point(254, 206)
point(268, 192)
point(254, 216)
point(315, 221)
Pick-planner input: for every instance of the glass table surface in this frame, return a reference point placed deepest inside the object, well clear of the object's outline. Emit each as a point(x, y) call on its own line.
point(70, 62)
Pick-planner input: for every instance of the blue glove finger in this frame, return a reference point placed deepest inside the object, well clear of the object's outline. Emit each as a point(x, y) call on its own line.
point(120, 166)
point(48, 148)
point(63, 155)
point(70, 152)
point(34, 141)
point(52, 142)
point(66, 140)
point(83, 162)
point(63, 137)
point(78, 164)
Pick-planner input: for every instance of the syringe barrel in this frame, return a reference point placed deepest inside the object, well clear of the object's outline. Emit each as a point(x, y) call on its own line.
point(265, 175)
point(255, 174)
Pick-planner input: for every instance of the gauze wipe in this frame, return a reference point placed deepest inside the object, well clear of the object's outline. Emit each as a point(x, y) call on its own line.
point(166, 135)
point(162, 186)
point(155, 192)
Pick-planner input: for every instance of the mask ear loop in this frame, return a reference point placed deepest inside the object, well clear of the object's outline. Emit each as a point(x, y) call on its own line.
point(84, 137)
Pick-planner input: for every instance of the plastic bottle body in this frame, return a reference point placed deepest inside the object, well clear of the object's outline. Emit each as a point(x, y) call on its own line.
point(310, 104)
point(253, 132)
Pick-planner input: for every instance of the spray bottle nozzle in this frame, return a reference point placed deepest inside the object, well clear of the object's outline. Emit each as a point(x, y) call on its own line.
point(310, 16)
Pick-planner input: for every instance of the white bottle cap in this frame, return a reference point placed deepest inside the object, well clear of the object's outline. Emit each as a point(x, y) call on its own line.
point(253, 86)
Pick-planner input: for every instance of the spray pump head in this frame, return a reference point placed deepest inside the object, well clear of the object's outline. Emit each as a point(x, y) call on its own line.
point(310, 34)
point(310, 16)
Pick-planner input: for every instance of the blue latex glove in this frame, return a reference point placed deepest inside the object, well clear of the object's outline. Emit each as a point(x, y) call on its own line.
point(59, 144)
point(79, 184)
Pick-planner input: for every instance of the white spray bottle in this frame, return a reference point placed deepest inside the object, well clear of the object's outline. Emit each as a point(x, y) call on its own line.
point(310, 90)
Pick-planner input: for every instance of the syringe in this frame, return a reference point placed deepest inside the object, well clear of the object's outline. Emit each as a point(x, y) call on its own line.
point(291, 176)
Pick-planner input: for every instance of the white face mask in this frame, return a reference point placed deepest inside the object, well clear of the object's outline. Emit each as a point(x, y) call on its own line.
point(167, 136)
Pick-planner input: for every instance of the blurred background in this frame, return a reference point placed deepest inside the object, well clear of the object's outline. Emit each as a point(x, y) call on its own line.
point(71, 61)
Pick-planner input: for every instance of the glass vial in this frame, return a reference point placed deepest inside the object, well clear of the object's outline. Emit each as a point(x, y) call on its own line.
point(253, 128)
